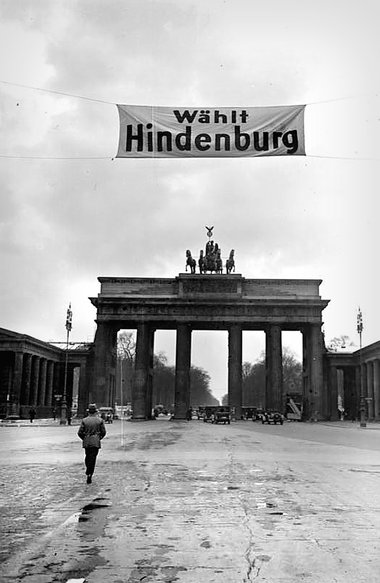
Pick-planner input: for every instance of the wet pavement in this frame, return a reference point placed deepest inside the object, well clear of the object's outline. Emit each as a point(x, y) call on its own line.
point(192, 502)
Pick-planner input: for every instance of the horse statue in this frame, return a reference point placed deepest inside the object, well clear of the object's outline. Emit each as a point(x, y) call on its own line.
point(230, 263)
point(202, 262)
point(218, 262)
point(190, 261)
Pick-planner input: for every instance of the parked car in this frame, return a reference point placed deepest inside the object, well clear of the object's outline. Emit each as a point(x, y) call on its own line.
point(258, 414)
point(208, 414)
point(272, 417)
point(222, 416)
point(106, 414)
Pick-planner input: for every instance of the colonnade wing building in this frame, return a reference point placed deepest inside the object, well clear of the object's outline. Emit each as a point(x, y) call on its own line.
point(32, 375)
point(209, 302)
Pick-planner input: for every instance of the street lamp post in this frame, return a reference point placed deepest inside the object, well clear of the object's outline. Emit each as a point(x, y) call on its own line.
point(359, 328)
point(69, 320)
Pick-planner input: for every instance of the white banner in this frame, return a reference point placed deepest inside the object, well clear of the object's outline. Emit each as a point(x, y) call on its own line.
point(188, 132)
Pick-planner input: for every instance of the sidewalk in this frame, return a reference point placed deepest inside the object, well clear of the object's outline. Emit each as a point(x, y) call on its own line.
point(352, 424)
point(36, 423)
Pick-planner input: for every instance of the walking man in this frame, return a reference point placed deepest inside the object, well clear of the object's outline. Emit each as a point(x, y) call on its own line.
point(91, 431)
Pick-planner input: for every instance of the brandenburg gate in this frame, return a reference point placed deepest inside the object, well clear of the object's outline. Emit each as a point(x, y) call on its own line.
point(209, 301)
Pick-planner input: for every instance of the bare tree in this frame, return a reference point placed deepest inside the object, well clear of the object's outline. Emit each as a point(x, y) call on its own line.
point(126, 350)
point(126, 346)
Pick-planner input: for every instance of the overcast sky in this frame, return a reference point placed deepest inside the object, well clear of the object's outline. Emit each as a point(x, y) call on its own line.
point(69, 212)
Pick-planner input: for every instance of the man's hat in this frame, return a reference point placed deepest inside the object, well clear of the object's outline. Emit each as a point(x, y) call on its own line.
point(92, 408)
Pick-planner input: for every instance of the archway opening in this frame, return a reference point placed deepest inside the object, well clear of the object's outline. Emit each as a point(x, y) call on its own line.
point(253, 371)
point(164, 371)
point(209, 362)
point(292, 374)
point(126, 349)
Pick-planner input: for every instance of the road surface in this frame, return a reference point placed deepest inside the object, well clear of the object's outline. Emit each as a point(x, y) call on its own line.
point(192, 502)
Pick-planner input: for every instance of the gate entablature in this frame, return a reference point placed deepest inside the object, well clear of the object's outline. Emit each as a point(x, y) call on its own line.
point(185, 284)
point(213, 300)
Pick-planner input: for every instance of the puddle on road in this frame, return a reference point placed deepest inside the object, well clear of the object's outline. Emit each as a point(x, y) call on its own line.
point(92, 522)
point(73, 550)
point(96, 504)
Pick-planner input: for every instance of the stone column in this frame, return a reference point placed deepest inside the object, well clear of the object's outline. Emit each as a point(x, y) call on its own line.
point(49, 384)
point(27, 379)
point(42, 385)
point(376, 389)
point(82, 392)
point(70, 387)
point(333, 414)
point(235, 355)
point(100, 384)
point(364, 388)
point(14, 396)
point(149, 396)
point(350, 397)
point(306, 380)
point(326, 390)
point(357, 391)
point(140, 382)
point(314, 347)
point(57, 379)
point(182, 371)
point(273, 364)
point(35, 381)
point(370, 391)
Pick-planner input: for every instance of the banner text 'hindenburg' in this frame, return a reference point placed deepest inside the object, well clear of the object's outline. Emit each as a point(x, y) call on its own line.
point(177, 132)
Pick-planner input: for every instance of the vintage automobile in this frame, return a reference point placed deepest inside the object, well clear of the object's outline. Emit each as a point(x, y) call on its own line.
point(258, 414)
point(106, 414)
point(208, 414)
point(272, 417)
point(221, 416)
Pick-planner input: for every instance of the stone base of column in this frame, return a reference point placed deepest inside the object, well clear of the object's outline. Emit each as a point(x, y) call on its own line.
point(12, 414)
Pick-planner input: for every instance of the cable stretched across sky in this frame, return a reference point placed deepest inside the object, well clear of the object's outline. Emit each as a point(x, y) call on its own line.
point(201, 133)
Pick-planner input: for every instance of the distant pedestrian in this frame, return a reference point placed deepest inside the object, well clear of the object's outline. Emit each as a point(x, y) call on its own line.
point(91, 431)
point(32, 414)
point(54, 413)
point(69, 416)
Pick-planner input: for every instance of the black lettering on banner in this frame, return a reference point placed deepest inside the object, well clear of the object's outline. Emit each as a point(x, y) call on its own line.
point(186, 145)
point(139, 137)
point(227, 142)
point(246, 140)
point(205, 116)
point(221, 116)
point(160, 137)
point(256, 143)
point(186, 116)
point(291, 143)
point(150, 137)
point(276, 137)
point(200, 139)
